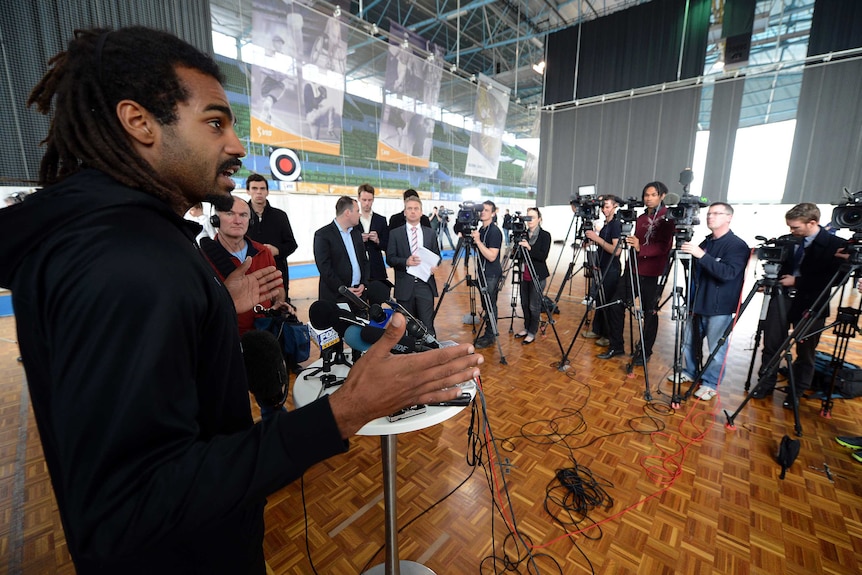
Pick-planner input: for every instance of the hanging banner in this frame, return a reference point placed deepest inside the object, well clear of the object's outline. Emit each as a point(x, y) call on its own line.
point(489, 123)
point(411, 90)
point(297, 77)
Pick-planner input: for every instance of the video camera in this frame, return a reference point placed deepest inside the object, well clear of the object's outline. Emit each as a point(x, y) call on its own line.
point(777, 250)
point(519, 227)
point(467, 219)
point(685, 211)
point(444, 213)
point(586, 205)
point(848, 215)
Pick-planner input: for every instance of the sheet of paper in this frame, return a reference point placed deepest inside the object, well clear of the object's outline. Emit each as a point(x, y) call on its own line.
point(423, 270)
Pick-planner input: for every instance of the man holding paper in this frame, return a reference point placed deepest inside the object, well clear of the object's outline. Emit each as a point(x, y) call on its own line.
point(414, 254)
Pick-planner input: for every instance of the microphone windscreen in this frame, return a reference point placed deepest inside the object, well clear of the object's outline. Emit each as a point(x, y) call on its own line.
point(323, 315)
point(371, 335)
point(264, 364)
point(671, 199)
point(378, 292)
point(353, 338)
point(221, 202)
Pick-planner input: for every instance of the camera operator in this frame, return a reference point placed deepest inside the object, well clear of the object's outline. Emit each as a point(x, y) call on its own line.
point(815, 260)
point(537, 244)
point(717, 277)
point(444, 214)
point(609, 264)
point(488, 240)
point(652, 241)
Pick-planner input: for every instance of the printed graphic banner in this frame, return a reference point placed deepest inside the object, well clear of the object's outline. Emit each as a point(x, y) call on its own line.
point(411, 92)
point(297, 77)
point(492, 107)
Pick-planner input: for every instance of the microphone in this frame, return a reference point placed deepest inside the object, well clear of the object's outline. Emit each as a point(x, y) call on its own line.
point(264, 367)
point(325, 314)
point(671, 199)
point(361, 339)
point(220, 202)
point(378, 293)
point(375, 312)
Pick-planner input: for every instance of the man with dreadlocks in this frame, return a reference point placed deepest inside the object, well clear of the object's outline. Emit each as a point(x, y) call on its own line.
point(131, 346)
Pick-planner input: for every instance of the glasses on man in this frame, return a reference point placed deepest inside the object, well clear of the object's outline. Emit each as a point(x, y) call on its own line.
point(716, 214)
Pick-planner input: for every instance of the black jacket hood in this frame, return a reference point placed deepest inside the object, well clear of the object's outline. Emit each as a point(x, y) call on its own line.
point(45, 213)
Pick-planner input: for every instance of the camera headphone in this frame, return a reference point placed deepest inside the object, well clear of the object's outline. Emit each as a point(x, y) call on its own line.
point(215, 221)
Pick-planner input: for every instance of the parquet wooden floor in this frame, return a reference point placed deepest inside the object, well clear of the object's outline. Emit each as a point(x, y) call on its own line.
point(681, 493)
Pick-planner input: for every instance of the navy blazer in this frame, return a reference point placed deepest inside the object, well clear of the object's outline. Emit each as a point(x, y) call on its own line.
point(399, 251)
point(332, 261)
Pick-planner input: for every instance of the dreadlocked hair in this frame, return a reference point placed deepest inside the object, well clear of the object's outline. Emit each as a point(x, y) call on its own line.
point(86, 82)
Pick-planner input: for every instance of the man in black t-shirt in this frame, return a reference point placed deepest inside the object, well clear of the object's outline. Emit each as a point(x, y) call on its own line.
point(489, 240)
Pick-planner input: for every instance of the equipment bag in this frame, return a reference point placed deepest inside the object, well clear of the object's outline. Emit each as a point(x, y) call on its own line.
point(848, 381)
point(292, 333)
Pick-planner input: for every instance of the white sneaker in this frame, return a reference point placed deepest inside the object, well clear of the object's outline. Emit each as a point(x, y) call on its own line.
point(683, 378)
point(705, 393)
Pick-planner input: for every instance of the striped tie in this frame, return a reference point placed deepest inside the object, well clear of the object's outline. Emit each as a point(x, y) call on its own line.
point(414, 240)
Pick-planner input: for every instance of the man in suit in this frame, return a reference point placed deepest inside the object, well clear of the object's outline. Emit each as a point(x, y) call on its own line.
point(398, 220)
point(340, 254)
point(415, 294)
point(810, 269)
point(375, 234)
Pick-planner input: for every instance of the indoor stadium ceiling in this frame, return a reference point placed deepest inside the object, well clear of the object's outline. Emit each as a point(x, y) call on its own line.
point(502, 39)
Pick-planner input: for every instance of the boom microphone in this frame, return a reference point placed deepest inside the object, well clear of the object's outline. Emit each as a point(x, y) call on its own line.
point(375, 312)
point(378, 293)
point(264, 367)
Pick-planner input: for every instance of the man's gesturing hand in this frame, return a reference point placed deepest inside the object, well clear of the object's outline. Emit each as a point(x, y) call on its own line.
point(381, 382)
point(259, 286)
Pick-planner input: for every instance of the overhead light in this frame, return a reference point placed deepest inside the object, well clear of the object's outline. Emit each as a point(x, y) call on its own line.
point(405, 44)
point(431, 57)
point(337, 12)
point(453, 68)
point(374, 30)
point(539, 68)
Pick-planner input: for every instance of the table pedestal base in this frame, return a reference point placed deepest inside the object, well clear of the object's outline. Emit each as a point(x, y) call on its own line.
point(407, 568)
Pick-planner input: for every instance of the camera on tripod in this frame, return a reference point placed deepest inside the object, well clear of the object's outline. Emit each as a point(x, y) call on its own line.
point(627, 214)
point(444, 213)
point(467, 219)
point(848, 215)
point(519, 227)
point(586, 205)
point(685, 211)
point(776, 250)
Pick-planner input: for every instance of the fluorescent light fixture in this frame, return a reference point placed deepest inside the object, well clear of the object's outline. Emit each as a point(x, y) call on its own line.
point(539, 68)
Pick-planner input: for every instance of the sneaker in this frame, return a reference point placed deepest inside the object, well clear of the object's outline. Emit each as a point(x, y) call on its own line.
point(705, 393)
point(483, 342)
point(857, 455)
point(603, 342)
point(684, 378)
point(851, 442)
point(591, 335)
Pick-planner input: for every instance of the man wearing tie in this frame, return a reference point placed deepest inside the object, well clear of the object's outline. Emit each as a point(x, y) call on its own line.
point(415, 294)
point(814, 262)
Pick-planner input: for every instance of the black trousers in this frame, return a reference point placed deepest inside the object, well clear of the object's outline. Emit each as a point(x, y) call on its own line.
point(610, 280)
point(775, 332)
point(616, 313)
point(421, 305)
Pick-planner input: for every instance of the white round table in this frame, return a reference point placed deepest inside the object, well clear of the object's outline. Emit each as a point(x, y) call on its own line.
point(306, 390)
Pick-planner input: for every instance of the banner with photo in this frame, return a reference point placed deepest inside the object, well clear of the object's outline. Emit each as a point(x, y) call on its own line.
point(489, 123)
point(297, 77)
point(411, 90)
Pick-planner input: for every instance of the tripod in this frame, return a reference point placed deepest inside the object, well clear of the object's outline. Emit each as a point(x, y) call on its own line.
point(680, 310)
point(521, 257)
point(585, 225)
point(461, 249)
point(846, 326)
point(801, 331)
point(509, 264)
point(597, 274)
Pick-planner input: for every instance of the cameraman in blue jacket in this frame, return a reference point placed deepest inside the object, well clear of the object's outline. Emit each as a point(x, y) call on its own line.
point(717, 277)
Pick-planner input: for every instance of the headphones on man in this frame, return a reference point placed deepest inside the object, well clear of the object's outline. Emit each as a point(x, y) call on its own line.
point(215, 221)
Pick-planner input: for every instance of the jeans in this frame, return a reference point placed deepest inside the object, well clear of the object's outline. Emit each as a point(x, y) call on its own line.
point(711, 328)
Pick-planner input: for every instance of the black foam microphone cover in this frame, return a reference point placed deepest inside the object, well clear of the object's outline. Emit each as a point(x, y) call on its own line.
point(264, 366)
point(220, 202)
point(377, 292)
point(326, 314)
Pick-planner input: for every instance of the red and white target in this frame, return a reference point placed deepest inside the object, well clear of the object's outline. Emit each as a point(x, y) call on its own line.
point(284, 164)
